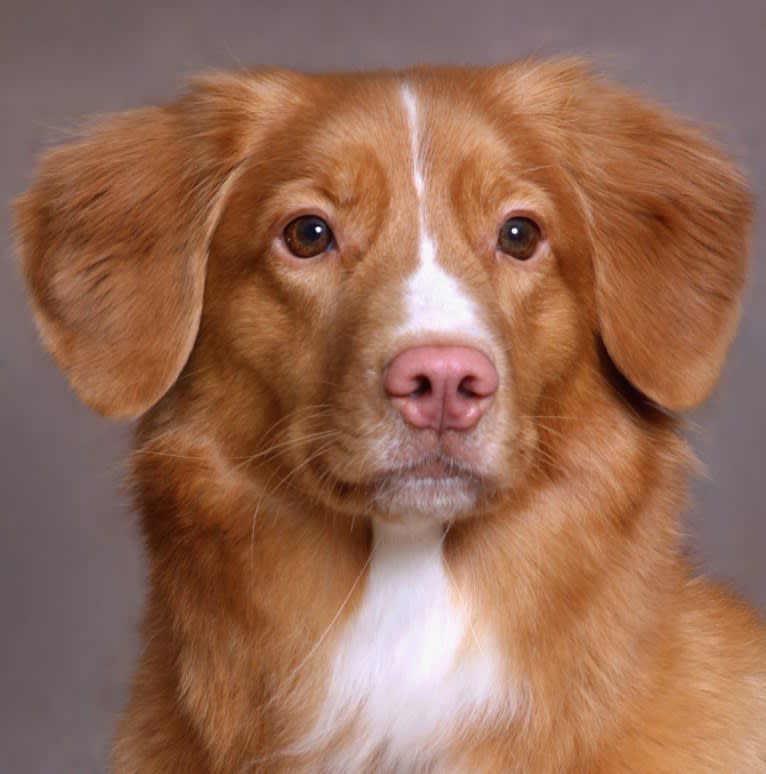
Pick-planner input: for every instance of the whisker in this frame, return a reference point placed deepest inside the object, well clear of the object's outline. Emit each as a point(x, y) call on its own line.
point(315, 647)
point(547, 416)
point(272, 491)
point(292, 414)
point(288, 444)
point(155, 453)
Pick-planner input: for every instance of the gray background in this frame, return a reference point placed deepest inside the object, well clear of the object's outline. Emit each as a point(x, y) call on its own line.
point(70, 563)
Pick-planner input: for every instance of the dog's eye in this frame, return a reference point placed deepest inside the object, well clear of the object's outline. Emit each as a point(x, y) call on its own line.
point(308, 236)
point(519, 238)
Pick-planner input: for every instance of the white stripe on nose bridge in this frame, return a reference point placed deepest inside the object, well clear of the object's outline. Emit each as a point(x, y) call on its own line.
point(434, 299)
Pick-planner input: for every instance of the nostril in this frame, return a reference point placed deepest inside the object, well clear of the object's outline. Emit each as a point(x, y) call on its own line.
point(423, 386)
point(466, 388)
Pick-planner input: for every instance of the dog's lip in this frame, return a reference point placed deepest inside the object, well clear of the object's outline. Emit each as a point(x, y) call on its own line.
point(431, 468)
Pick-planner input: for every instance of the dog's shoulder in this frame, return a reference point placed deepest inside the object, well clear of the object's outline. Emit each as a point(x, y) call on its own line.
point(707, 710)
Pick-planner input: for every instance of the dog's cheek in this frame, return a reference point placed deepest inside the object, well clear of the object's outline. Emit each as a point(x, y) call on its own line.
point(279, 339)
point(543, 332)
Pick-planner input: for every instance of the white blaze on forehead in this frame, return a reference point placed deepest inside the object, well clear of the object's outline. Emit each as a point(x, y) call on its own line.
point(411, 105)
point(435, 301)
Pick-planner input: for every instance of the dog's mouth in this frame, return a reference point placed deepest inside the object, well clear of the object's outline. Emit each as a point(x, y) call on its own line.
point(433, 486)
point(438, 467)
point(426, 475)
point(436, 486)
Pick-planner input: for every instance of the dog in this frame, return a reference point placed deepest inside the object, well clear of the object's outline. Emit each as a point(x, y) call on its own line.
point(409, 352)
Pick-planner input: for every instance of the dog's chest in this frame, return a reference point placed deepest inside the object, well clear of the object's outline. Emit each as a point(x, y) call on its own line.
point(409, 669)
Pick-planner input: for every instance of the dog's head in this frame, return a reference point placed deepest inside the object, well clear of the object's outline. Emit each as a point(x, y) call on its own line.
point(377, 285)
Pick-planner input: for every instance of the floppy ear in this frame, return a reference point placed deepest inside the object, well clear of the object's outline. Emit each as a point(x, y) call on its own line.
point(114, 238)
point(669, 220)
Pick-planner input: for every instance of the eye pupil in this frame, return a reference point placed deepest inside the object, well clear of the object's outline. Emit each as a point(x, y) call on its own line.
point(308, 236)
point(519, 238)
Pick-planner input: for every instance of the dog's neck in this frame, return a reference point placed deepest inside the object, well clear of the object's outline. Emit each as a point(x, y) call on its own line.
point(410, 640)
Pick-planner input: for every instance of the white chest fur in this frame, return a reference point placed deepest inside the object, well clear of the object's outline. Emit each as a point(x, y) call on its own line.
point(410, 670)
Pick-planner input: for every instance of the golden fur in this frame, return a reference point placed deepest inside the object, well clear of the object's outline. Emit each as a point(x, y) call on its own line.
point(159, 284)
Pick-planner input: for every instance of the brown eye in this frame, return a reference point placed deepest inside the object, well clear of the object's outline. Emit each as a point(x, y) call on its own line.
point(519, 238)
point(308, 236)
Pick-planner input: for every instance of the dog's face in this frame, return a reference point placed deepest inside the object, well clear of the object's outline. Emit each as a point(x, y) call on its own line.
point(379, 287)
point(379, 259)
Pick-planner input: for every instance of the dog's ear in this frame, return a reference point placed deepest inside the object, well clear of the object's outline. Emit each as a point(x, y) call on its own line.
point(114, 237)
point(668, 219)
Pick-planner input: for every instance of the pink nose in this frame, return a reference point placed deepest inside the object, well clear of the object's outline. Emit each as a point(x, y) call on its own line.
point(440, 387)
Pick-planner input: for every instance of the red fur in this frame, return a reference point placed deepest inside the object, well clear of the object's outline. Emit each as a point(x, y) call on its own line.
point(161, 285)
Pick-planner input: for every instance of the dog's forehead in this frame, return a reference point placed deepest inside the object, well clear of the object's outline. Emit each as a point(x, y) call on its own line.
point(387, 118)
point(357, 141)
